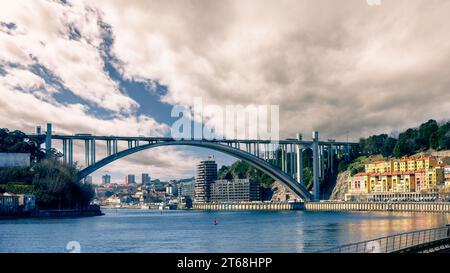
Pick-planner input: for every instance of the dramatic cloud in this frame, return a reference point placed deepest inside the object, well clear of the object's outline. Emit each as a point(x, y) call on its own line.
point(333, 66)
point(66, 40)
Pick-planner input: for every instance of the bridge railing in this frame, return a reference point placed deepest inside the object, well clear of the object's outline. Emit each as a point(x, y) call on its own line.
point(394, 243)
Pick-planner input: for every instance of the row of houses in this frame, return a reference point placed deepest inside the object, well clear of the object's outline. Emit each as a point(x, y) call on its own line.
point(422, 174)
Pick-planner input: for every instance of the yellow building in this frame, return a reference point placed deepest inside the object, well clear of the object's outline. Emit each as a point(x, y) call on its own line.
point(384, 167)
point(403, 165)
point(411, 165)
point(403, 183)
point(369, 168)
point(434, 177)
point(396, 166)
point(379, 167)
point(386, 182)
point(404, 175)
point(447, 176)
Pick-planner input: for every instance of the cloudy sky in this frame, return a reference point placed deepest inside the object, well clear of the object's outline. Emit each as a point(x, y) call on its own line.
point(118, 67)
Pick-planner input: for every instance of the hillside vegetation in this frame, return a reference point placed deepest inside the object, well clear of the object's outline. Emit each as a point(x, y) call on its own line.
point(429, 135)
point(54, 183)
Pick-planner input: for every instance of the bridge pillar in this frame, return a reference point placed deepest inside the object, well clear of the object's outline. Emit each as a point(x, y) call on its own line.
point(93, 151)
point(115, 146)
point(316, 173)
point(48, 138)
point(292, 157)
point(38, 132)
point(86, 152)
point(321, 161)
point(299, 164)
point(65, 150)
point(70, 152)
point(347, 152)
point(316, 170)
point(331, 158)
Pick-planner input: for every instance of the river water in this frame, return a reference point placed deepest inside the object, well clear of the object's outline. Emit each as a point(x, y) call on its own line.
point(124, 230)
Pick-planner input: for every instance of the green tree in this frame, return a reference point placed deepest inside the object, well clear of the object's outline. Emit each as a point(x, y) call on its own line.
point(426, 130)
point(57, 185)
point(401, 148)
point(388, 147)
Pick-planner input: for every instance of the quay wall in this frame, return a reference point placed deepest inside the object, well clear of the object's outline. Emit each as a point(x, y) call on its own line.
point(438, 207)
point(379, 206)
point(248, 206)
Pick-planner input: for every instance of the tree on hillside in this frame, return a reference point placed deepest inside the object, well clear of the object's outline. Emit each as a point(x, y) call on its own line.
point(388, 147)
point(57, 186)
point(443, 137)
point(373, 144)
point(17, 142)
point(426, 131)
point(241, 169)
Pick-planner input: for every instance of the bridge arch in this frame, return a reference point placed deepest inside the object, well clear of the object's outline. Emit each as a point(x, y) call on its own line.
point(258, 163)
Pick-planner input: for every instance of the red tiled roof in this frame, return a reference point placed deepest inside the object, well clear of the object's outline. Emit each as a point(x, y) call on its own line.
point(389, 173)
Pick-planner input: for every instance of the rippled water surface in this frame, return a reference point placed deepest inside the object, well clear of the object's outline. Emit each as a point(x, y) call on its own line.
point(193, 231)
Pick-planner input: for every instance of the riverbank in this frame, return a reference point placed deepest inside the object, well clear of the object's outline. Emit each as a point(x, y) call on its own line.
point(438, 207)
point(54, 213)
point(249, 206)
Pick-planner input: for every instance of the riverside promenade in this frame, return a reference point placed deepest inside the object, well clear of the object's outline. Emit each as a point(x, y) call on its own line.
point(440, 207)
point(436, 207)
point(249, 206)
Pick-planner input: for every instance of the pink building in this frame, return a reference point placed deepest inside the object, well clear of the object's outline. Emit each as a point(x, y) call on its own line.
point(421, 183)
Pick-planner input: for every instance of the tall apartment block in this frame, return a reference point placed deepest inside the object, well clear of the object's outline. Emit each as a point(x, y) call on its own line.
point(106, 179)
point(206, 175)
point(130, 179)
point(145, 179)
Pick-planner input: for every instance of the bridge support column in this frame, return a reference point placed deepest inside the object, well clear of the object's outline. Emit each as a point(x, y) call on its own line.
point(93, 151)
point(64, 150)
point(321, 161)
point(299, 164)
point(115, 150)
point(70, 151)
point(108, 147)
point(38, 132)
point(316, 173)
point(292, 156)
point(86, 152)
point(331, 157)
point(347, 152)
point(48, 138)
